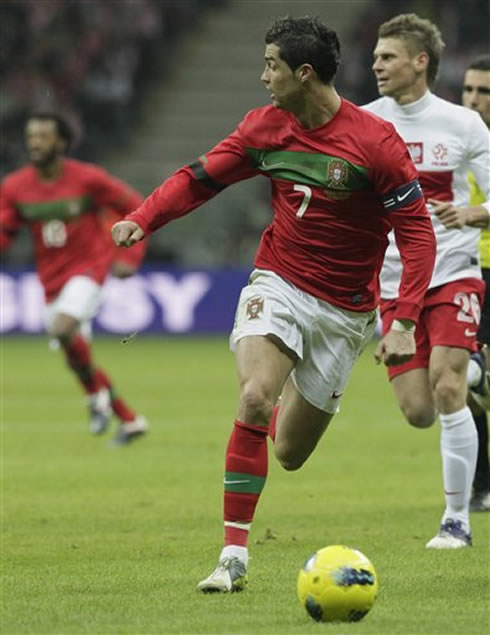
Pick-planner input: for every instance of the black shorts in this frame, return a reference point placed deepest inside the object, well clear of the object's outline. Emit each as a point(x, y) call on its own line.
point(484, 330)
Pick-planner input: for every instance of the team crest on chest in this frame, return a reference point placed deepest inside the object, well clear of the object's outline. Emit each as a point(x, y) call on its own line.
point(337, 173)
point(416, 151)
point(255, 308)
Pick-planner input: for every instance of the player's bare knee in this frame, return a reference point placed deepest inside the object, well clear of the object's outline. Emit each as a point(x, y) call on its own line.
point(422, 417)
point(255, 405)
point(288, 459)
point(449, 395)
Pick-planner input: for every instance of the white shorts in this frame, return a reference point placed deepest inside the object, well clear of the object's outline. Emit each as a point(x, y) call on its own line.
point(326, 338)
point(79, 298)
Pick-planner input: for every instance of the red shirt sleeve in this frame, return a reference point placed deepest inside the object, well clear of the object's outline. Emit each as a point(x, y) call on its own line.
point(397, 182)
point(195, 184)
point(10, 219)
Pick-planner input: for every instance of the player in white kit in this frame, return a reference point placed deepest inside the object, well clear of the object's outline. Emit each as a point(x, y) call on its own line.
point(445, 141)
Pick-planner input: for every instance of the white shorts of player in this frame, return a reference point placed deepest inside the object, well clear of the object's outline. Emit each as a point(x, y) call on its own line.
point(326, 338)
point(80, 298)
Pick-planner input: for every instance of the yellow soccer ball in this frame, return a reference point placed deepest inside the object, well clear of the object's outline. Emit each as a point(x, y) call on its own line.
point(337, 584)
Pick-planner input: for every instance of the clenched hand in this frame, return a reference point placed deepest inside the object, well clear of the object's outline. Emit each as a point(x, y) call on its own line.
point(126, 233)
point(450, 216)
point(396, 347)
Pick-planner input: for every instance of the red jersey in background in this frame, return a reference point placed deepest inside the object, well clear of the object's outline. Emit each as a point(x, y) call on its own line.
point(63, 218)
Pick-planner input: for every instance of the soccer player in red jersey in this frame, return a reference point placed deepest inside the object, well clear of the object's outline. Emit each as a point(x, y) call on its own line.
point(341, 178)
point(59, 199)
point(445, 140)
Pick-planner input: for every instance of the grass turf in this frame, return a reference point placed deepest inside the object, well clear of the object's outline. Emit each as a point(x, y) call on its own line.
point(101, 540)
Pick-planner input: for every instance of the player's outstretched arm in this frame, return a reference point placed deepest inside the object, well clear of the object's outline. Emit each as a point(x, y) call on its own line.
point(126, 233)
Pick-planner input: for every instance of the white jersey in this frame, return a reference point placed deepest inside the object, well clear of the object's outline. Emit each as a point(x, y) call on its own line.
point(445, 141)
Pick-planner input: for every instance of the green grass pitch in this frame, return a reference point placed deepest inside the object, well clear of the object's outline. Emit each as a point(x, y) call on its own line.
point(101, 540)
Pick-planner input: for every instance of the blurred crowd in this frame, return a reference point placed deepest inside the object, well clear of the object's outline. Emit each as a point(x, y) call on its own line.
point(89, 59)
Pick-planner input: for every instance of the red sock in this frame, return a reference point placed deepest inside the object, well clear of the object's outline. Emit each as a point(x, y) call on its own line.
point(79, 359)
point(272, 423)
point(245, 474)
point(120, 407)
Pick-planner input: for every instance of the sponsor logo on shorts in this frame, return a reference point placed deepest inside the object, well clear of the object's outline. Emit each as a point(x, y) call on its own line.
point(336, 394)
point(470, 333)
point(255, 308)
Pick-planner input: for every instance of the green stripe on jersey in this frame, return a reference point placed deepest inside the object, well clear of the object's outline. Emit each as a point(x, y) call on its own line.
point(311, 168)
point(62, 209)
point(246, 483)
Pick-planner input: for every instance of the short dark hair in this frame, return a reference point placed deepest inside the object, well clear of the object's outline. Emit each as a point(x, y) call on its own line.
point(480, 63)
point(422, 34)
point(306, 40)
point(63, 127)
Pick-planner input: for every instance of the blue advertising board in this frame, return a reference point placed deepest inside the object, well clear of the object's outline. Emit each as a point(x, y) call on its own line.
point(156, 300)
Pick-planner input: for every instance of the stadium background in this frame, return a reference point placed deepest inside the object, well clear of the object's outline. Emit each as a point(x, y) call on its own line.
point(148, 85)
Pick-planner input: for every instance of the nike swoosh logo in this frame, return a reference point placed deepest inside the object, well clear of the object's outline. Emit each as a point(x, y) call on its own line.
point(234, 482)
point(452, 493)
point(402, 197)
point(469, 333)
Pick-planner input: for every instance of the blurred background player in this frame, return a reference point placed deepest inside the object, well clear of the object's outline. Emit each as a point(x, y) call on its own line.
point(444, 140)
point(310, 305)
point(476, 95)
point(59, 198)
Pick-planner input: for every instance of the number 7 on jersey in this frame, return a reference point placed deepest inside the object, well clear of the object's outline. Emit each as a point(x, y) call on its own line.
point(305, 202)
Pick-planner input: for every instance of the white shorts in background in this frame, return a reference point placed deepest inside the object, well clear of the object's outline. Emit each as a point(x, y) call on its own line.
point(80, 298)
point(326, 338)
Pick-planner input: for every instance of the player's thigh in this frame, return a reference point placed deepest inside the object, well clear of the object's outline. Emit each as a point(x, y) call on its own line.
point(262, 369)
point(299, 427)
point(413, 392)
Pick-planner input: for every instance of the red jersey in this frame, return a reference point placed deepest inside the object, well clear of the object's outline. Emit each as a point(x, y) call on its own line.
point(63, 219)
point(337, 190)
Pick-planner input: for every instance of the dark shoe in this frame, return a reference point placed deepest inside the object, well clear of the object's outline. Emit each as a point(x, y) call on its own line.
point(480, 502)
